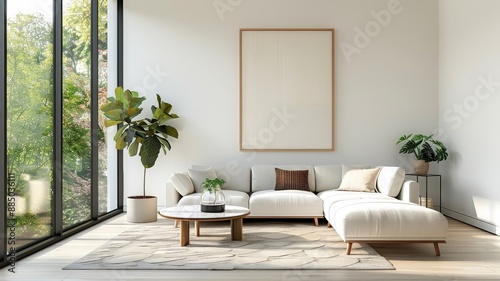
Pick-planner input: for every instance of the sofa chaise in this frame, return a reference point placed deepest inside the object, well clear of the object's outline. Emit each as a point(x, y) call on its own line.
point(361, 203)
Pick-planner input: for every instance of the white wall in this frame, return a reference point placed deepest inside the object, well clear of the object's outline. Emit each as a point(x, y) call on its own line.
point(187, 51)
point(469, 101)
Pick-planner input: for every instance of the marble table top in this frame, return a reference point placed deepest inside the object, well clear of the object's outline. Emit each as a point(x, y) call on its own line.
point(193, 213)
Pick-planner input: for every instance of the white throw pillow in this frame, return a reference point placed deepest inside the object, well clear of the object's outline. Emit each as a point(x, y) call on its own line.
point(347, 168)
point(182, 183)
point(390, 180)
point(199, 176)
point(363, 180)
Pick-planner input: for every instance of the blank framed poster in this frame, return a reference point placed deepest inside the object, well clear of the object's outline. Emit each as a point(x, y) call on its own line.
point(286, 89)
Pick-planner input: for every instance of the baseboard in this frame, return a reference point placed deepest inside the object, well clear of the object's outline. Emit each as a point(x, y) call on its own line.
point(489, 227)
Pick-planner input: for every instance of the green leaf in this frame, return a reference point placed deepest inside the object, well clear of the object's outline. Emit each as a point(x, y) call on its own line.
point(120, 143)
point(135, 94)
point(165, 143)
point(109, 123)
point(115, 114)
point(132, 150)
point(132, 112)
point(158, 99)
point(171, 131)
point(111, 106)
point(158, 113)
point(127, 96)
point(119, 133)
point(136, 101)
point(119, 93)
point(166, 107)
point(150, 149)
point(403, 138)
point(130, 136)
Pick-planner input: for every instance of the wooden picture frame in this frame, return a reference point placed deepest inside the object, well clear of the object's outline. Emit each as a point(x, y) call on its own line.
point(286, 89)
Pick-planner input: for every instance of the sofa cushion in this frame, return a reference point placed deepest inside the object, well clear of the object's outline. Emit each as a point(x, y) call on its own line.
point(328, 177)
point(331, 197)
point(386, 220)
point(232, 197)
point(360, 180)
point(285, 203)
point(264, 176)
point(199, 176)
point(182, 183)
point(236, 177)
point(390, 180)
point(347, 168)
point(295, 180)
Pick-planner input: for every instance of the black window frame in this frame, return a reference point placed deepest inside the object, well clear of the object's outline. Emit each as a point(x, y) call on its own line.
point(58, 232)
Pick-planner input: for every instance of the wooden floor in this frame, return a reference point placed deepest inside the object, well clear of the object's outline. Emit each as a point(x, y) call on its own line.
point(470, 254)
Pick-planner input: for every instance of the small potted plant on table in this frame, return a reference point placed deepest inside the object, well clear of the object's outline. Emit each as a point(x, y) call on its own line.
point(425, 148)
point(212, 198)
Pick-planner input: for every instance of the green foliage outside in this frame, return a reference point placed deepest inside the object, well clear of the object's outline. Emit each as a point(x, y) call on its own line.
point(30, 107)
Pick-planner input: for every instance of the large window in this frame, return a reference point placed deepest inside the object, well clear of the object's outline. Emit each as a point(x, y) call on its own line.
point(58, 167)
point(29, 118)
point(76, 112)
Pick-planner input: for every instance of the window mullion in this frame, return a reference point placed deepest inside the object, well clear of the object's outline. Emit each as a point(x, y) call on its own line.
point(58, 113)
point(120, 83)
point(94, 107)
point(3, 130)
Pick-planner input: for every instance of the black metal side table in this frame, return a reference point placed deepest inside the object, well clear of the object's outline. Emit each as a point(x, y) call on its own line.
point(426, 184)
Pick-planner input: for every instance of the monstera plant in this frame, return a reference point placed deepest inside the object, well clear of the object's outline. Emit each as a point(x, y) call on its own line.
point(425, 148)
point(143, 136)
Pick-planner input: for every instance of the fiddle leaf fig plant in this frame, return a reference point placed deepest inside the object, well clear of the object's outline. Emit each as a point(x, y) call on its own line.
point(423, 147)
point(146, 136)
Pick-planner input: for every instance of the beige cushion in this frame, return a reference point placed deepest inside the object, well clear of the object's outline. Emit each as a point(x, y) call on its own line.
point(182, 183)
point(359, 180)
point(390, 180)
point(347, 168)
point(199, 176)
point(296, 180)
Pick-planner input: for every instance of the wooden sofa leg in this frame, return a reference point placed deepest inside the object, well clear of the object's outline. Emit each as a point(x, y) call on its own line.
point(436, 248)
point(348, 250)
point(328, 225)
point(316, 222)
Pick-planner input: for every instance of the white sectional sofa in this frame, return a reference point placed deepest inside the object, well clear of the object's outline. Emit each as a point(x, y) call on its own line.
point(389, 213)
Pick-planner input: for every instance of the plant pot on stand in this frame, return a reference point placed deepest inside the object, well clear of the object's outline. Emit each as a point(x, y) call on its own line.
point(425, 148)
point(420, 167)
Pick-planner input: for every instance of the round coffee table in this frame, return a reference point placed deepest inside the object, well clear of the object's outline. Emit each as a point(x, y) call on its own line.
point(188, 213)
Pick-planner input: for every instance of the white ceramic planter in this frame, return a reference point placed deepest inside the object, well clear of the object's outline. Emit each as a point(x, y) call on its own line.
point(140, 209)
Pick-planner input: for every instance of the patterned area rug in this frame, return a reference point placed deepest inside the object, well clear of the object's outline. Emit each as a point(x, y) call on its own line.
point(265, 245)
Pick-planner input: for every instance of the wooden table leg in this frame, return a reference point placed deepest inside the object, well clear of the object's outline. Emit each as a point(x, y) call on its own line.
point(184, 236)
point(197, 227)
point(237, 229)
